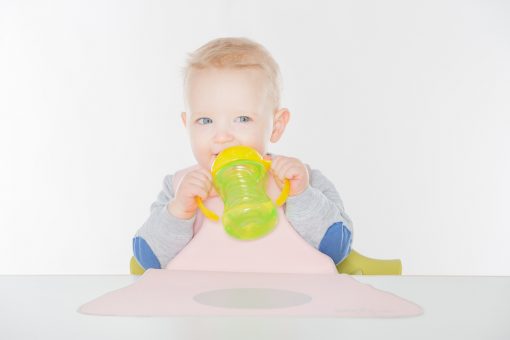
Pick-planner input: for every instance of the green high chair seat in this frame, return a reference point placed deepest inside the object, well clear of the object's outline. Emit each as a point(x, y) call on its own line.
point(353, 264)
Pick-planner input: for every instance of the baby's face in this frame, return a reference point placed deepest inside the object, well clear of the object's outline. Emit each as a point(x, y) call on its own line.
point(227, 107)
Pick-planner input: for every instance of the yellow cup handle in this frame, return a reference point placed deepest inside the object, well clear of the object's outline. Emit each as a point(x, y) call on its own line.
point(285, 193)
point(207, 213)
point(286, 185)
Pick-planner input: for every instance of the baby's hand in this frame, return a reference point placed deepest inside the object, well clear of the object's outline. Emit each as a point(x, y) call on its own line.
point(194, 183)
point(292, 169)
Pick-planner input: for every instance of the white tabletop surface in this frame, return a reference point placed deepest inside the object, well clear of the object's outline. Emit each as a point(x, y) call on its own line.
point(455, 307)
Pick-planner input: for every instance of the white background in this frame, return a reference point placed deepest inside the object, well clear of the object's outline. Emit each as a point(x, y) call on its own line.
point(403, 105)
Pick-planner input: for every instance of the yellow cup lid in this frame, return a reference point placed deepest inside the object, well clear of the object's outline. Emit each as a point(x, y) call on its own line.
point(236, 153)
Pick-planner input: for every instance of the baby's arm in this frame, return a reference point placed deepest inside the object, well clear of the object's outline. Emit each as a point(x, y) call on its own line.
point(163, 235)
point(318, 215)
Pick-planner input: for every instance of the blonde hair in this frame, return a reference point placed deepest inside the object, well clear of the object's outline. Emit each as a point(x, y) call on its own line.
point(237, 53)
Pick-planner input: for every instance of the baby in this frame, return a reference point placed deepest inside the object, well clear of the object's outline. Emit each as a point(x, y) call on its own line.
point(232, 95)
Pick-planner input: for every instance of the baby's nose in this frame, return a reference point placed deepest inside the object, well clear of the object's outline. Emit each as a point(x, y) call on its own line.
point(223, 136)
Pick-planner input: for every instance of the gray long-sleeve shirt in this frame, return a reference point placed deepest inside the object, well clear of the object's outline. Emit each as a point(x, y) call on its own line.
point(317, 214)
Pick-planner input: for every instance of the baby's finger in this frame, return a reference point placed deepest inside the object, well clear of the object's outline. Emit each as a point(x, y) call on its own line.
point(198, 184)
point(203, 175)
point(291, 171)
point(285, 167)
point(276, 165)
point(206, 173)
point(201, 181)
point(275, 162)
point(200, 192)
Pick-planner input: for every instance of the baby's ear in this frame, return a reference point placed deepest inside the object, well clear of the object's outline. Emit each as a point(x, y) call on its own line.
point(183, 118)
point(280, 120)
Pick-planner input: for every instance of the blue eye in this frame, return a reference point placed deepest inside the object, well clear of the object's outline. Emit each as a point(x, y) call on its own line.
point(204, 121)
point(243, 119)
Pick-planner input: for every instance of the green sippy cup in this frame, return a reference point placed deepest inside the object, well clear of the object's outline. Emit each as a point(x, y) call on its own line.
point(239, 176)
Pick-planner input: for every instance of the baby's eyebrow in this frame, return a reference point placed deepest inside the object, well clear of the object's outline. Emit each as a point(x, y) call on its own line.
point(236, 114)
point(243, 113)
point(201, 114)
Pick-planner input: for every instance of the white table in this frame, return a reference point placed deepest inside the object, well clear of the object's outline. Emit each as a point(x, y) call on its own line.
point(456, 307)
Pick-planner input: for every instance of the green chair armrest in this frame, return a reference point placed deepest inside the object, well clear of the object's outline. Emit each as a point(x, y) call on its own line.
point(134, 267)
point(357, 264)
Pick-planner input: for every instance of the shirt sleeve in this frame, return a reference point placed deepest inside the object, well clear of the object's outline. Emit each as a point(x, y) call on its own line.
point(318, 215)
point(162, 235)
